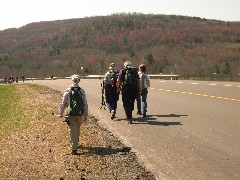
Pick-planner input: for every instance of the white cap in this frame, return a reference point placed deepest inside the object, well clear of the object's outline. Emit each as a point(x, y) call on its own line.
point(75, 78)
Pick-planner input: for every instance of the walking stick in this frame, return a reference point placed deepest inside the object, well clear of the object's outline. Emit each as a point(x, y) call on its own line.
point(103, 103)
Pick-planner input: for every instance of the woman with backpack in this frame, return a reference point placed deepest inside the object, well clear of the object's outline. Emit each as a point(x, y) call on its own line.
point(110, 88)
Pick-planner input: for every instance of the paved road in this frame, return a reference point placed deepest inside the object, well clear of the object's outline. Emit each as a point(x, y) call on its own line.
point(192, 130)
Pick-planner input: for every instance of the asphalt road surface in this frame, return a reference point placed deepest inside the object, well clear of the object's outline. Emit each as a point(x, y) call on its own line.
point(192, 128)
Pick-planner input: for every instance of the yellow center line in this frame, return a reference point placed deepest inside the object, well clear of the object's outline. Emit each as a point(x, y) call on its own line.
point(197, 94)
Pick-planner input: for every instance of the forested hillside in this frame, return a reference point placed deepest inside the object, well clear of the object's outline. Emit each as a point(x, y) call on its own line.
point(167, 44)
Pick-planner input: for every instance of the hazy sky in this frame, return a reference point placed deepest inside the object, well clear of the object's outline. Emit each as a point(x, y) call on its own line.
point(17, 13)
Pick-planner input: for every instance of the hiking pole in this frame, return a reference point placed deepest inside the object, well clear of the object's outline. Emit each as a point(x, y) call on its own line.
point(102, 92)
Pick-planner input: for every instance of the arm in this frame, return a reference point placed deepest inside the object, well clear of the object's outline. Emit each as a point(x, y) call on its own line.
point(64, 102)
point(140, 83)
point(119, 82)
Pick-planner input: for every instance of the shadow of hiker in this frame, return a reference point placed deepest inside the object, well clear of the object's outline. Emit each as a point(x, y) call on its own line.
point(103, 150)
point(165, 123)
point(139, 119)
point(150, 120)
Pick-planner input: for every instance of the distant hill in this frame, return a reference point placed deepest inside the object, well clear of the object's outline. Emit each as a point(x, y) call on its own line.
point(166, 43)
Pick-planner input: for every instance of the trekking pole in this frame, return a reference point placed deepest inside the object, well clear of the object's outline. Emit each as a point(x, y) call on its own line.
point(103, 104)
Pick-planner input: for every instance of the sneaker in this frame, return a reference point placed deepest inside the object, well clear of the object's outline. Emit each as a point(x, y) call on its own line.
point(74, 152)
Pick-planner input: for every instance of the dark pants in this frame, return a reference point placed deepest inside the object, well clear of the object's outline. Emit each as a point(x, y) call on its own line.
point(112, 106)
point(129, 94)
point(111, 96)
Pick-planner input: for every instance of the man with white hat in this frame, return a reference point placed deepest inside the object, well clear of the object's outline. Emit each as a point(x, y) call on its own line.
point(74, 99)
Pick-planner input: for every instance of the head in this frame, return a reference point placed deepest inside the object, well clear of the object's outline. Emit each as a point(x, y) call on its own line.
point(112, 67)
point(142, 67)
point(75, 79)
point(127, 64)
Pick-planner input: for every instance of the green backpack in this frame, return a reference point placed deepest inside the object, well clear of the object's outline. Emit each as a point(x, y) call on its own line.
point(76, 102)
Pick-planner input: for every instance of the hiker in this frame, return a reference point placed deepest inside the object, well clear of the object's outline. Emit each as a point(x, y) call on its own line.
point(110, 88)
point(23, 78)
point(128, 84)
point(75, 100)
point(144, 83)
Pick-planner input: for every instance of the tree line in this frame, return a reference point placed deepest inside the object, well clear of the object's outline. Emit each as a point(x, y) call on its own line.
point(167, 44)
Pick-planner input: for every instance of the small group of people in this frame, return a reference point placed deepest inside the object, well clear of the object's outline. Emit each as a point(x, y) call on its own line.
point(11, 79)
point(131, 82)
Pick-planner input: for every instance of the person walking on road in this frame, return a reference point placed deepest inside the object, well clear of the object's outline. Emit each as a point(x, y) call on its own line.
point(23, 78)
point(75, 100)
point(128, 84)
point(110, 88)
point(144, 83)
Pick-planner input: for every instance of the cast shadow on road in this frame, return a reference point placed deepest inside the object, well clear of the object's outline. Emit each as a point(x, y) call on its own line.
point(151, 120)
point(103, 150)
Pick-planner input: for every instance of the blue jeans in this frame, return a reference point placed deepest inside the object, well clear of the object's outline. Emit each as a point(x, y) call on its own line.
point(142, 102)
point(112, 106)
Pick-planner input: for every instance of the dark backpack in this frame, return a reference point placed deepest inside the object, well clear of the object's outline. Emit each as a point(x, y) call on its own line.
point(114, 77)
point(131, 76)
point(76, 102)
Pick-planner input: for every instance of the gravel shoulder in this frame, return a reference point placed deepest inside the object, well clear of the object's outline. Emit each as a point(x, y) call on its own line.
point(42, 150)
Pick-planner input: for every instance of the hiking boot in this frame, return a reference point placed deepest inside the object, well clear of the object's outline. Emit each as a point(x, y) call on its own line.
point(74, 152)
point(139, 113)
point(130, 121)
point(113, 114)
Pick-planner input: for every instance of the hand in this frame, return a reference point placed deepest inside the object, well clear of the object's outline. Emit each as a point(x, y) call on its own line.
point(59, 115)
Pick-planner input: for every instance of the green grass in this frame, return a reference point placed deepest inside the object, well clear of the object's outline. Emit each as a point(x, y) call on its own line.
point(10, 110)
